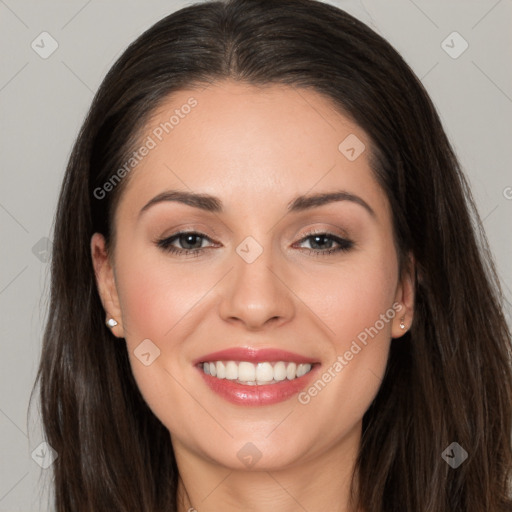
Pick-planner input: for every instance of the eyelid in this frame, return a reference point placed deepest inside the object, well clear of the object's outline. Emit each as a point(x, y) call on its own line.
point(190, 227)
point(335, 231)
point(345, 243)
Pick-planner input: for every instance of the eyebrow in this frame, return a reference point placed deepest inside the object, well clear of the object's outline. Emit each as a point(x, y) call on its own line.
point(213, 204)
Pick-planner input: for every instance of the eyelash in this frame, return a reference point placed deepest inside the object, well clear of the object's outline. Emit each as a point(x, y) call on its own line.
point(165, 244)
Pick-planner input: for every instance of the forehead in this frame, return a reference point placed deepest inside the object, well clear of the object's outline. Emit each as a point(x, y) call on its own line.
point(236, 140)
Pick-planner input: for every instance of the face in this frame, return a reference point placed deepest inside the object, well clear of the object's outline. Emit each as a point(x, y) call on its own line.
point(260, 271)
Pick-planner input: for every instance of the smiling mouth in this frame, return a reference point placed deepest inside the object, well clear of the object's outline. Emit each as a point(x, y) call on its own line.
point(255, 374)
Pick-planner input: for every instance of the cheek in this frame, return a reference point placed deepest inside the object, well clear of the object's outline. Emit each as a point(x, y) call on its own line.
point(156, 303)
point(357, 308)
point(358, 311)
point(154, 296)
point(353, 297)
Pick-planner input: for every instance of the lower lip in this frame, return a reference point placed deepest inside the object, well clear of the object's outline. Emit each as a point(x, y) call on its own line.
point(266, 394)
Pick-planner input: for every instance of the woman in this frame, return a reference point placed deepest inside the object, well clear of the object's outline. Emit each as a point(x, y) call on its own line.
point(263, 208)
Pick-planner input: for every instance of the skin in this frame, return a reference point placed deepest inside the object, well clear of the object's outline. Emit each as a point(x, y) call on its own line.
point(255, 149)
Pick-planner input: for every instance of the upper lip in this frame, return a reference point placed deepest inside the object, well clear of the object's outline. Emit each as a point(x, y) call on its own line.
point(255, 355)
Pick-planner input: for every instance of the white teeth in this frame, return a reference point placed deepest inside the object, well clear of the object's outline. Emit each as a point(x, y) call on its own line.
point(264, 372)
point(251, 374)
point(302, 370)
point(279, 371)
point(231, 370)
point(291, 371)
point(221, 370)
point(246, 371)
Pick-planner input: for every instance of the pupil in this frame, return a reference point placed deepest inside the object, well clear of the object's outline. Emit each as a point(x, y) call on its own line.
point(319, 237)
point(188, 239)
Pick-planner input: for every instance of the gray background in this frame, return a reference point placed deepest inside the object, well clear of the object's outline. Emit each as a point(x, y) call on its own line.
point(43, 103)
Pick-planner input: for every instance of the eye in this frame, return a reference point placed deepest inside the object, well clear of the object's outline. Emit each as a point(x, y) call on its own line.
point(321, 244)
point(326, 240)
point(191, 242)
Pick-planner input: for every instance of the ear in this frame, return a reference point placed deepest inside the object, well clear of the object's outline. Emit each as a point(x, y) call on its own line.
point(405, 298)
point(105, 281)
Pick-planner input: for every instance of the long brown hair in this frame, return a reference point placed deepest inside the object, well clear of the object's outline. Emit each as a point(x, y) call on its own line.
point(448, 379)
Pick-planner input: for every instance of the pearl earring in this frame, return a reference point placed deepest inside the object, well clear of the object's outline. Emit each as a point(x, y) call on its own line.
point(402, 324)
point(111, 323)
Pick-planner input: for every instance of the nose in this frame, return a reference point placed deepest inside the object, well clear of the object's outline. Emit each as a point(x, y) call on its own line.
point(258, 293)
